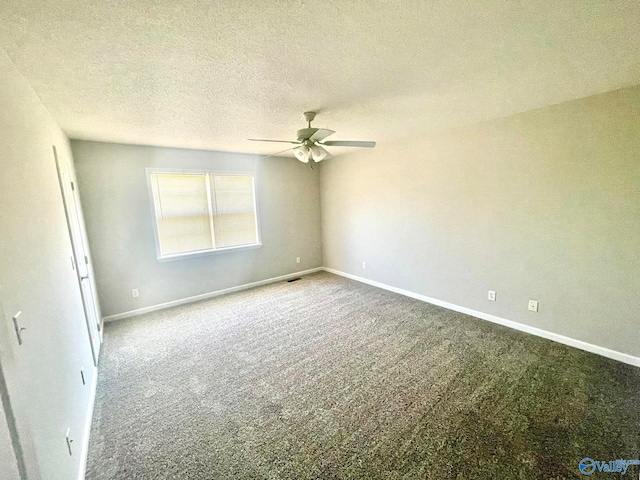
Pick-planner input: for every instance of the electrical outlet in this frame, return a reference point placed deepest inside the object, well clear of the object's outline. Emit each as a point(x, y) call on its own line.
point(364, 265)
point(492, 295)
point(297, 259)
point(533, 305)
point(135, 293)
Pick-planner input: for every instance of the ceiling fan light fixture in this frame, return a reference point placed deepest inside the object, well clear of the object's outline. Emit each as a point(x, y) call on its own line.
point(302, 153)
point(318, 153)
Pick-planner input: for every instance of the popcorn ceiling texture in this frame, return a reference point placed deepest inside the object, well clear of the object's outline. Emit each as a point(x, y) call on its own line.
point(327, 378)
point(209, 75)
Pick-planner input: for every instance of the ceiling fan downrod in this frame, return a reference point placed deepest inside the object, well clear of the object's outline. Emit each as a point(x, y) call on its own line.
point(309, 116)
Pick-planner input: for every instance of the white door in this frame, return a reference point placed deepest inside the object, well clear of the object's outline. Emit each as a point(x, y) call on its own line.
point(80, 258)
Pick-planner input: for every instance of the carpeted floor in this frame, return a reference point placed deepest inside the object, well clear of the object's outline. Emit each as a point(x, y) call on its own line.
point(328, 378)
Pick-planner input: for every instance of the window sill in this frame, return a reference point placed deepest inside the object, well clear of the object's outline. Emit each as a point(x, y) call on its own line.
point(205, 253)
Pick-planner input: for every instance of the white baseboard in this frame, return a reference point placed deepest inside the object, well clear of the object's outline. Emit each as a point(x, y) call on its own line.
point(204, 296)
point(605, 352)
point(84, 453)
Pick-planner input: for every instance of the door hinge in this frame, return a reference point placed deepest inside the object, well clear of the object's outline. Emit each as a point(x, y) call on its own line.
point(18, 328)
point(69, 440)
point(73, 187)
point(86, 260)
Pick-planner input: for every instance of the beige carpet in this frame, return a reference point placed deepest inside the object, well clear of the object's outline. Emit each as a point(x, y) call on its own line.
point(328, 378)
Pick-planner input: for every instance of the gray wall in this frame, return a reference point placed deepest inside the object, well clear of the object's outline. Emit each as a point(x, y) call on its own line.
point(543, 205)
point(36, 277)
point(115, 200)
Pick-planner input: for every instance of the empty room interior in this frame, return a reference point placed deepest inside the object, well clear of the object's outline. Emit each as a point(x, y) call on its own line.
point(319, 240)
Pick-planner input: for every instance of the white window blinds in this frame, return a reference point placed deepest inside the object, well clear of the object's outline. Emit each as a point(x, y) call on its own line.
point(234, 216)
point(197, 212)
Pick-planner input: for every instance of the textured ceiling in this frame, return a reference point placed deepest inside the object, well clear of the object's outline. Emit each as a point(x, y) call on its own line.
point(209, 74)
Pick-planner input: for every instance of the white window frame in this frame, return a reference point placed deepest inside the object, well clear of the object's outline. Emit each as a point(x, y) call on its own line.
point(200, 253)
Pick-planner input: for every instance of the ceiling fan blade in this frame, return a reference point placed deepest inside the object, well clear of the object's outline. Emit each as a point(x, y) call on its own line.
point(279, 141)
point(278, 153)
point(321, 134)
point(348, 143)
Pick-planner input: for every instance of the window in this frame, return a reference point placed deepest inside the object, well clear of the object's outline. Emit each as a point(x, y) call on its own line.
point(202, 212)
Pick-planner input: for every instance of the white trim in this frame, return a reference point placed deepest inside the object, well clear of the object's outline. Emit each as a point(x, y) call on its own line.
point(204, 296)
point(605, 352)
point(214, 251)
point(84, 453)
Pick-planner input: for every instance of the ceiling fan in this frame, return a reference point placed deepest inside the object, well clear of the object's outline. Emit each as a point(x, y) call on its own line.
point(310, 145)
